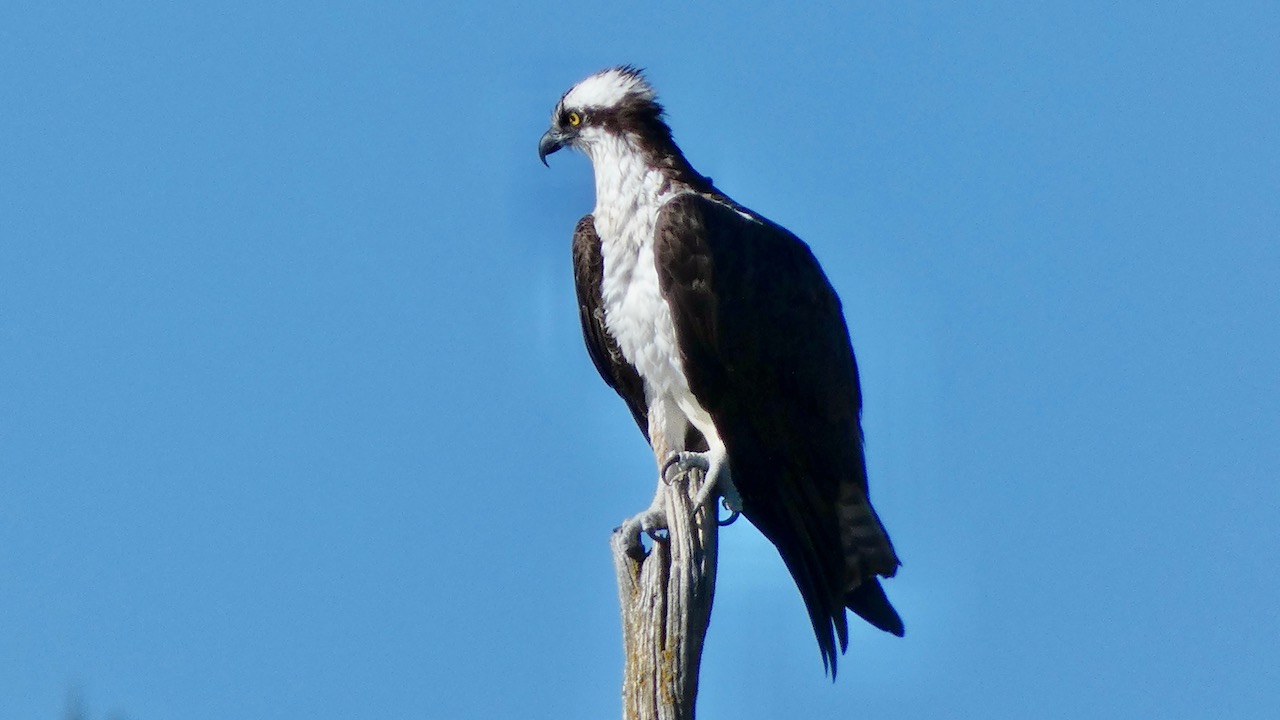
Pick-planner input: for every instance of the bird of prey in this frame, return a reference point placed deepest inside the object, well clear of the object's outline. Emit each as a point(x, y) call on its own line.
point(720, 331)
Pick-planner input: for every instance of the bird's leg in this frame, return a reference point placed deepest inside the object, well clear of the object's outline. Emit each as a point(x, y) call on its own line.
point(719, 483)
point(654, 519)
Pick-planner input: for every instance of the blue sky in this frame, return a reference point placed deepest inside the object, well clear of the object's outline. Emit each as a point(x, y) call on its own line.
point(295, 420)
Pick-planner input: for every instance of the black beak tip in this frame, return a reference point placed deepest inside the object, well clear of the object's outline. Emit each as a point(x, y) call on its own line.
point(549, 143)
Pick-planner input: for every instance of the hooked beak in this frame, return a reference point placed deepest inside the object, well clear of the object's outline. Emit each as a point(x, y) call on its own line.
point(551, 141)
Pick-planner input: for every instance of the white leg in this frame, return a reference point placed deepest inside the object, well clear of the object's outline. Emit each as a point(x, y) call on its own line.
point(666, 433)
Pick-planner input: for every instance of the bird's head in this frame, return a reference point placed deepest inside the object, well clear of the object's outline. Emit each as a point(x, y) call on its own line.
point(614, 103)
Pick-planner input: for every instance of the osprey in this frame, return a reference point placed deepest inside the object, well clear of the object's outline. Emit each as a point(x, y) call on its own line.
point(722, 334)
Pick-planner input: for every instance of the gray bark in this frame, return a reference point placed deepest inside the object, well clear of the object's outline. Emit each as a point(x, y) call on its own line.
point(666, 607)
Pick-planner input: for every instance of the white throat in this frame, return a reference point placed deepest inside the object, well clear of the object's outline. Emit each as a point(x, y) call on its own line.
point(628, 190)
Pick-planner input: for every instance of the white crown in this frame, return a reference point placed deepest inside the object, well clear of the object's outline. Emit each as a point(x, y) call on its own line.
point(608, 88)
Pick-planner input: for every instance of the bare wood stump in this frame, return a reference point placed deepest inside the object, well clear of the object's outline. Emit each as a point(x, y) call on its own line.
point(666, 601)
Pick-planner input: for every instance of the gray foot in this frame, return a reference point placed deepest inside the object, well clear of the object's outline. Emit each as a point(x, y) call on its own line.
point(651, 522)
point(684, 461)
point(722, 488)
point(719, 482)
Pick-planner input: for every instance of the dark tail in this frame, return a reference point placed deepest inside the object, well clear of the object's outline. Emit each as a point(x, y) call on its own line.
point(870, 603)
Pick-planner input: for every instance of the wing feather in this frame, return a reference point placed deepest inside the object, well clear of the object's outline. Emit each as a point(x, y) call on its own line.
point(588, 275)
point(767, 354)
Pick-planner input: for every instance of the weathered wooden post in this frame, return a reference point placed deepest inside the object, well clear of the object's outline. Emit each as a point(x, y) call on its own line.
point(666, 606)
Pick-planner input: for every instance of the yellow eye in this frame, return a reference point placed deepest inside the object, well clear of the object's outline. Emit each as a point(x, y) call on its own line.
point(575, 119)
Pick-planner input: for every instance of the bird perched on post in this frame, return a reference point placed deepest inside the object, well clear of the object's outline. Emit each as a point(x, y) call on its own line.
point(721, 332)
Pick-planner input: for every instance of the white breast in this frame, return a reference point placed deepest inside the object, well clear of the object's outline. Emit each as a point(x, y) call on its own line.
point(629, 196)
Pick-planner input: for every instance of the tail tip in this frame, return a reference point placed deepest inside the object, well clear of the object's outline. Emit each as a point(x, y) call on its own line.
point(870, 603)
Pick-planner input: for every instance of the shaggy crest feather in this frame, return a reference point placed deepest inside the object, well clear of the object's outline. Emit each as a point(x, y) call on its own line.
point(609, 88)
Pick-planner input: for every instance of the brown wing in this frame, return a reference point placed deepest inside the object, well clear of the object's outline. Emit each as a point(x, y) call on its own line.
point(588, 273)
point(767, 353)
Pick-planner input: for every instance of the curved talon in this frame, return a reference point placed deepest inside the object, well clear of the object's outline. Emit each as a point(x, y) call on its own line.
point(674, 459)
point(733, 513)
